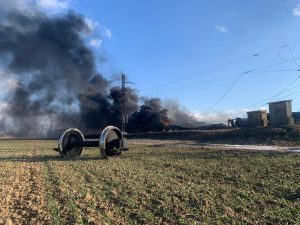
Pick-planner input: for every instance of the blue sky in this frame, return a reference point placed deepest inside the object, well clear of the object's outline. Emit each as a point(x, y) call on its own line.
point(165, 46)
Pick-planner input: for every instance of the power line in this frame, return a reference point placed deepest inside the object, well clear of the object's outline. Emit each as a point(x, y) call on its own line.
point(283, 97)
point(283, 90)
point(240, 75)
point(286, 88)
point(294, 58)
point(279, 54)
point(296, 92)
point(228, 90)
point(225, 77)
point(233, 84)
point(225, 116)
point(225, 65)
point(274, 96)
point(279, 70)
point(201, 82)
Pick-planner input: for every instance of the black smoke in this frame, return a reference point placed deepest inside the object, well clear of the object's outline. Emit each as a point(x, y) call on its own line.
point(131, 104)
point(150, 117)
point(57, 83)
point(55, 72)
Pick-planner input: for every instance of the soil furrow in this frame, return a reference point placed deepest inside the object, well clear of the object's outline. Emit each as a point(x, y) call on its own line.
point(23, 194)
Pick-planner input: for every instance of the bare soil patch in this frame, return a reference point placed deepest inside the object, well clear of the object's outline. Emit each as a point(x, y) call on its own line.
point(22, 193)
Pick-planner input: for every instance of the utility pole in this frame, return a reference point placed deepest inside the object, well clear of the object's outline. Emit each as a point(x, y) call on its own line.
point(124, 116)
point(123, 101)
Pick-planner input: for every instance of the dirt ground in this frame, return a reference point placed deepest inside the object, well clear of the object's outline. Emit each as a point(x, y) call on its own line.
point(22, 191)
point(155, 182)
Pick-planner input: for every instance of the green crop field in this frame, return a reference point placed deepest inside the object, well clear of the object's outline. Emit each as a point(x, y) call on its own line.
point(152, 183)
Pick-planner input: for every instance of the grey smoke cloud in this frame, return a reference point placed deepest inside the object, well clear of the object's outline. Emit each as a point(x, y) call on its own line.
point(52, 65)
point(56, 81)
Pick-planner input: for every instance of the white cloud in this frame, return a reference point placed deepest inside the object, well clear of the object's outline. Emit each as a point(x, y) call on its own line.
point(210, 117)
point(107, 33)
point(53, 4)
point(91, 24)
point(220, 117)
point(296, 11)
point(245, 110)
point(95, 43)
point(262, 108)
point(222, 28)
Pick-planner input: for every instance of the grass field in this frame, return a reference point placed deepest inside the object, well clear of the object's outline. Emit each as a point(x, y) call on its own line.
point(156, 183)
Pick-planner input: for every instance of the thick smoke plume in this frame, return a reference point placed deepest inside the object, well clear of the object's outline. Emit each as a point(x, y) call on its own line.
point(151, 117)
point(56, 84)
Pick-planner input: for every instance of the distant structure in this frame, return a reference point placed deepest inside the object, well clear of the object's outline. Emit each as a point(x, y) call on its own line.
point(257, 118)
point(296, 116)
point(241, 122)
point(281, 113)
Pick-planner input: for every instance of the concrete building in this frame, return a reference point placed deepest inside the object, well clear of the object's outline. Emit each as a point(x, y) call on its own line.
point(296, 117)
point(257, 118)
point(281, 113)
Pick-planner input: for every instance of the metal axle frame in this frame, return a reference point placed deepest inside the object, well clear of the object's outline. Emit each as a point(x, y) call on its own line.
point(85, 144)
point(111, 142)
